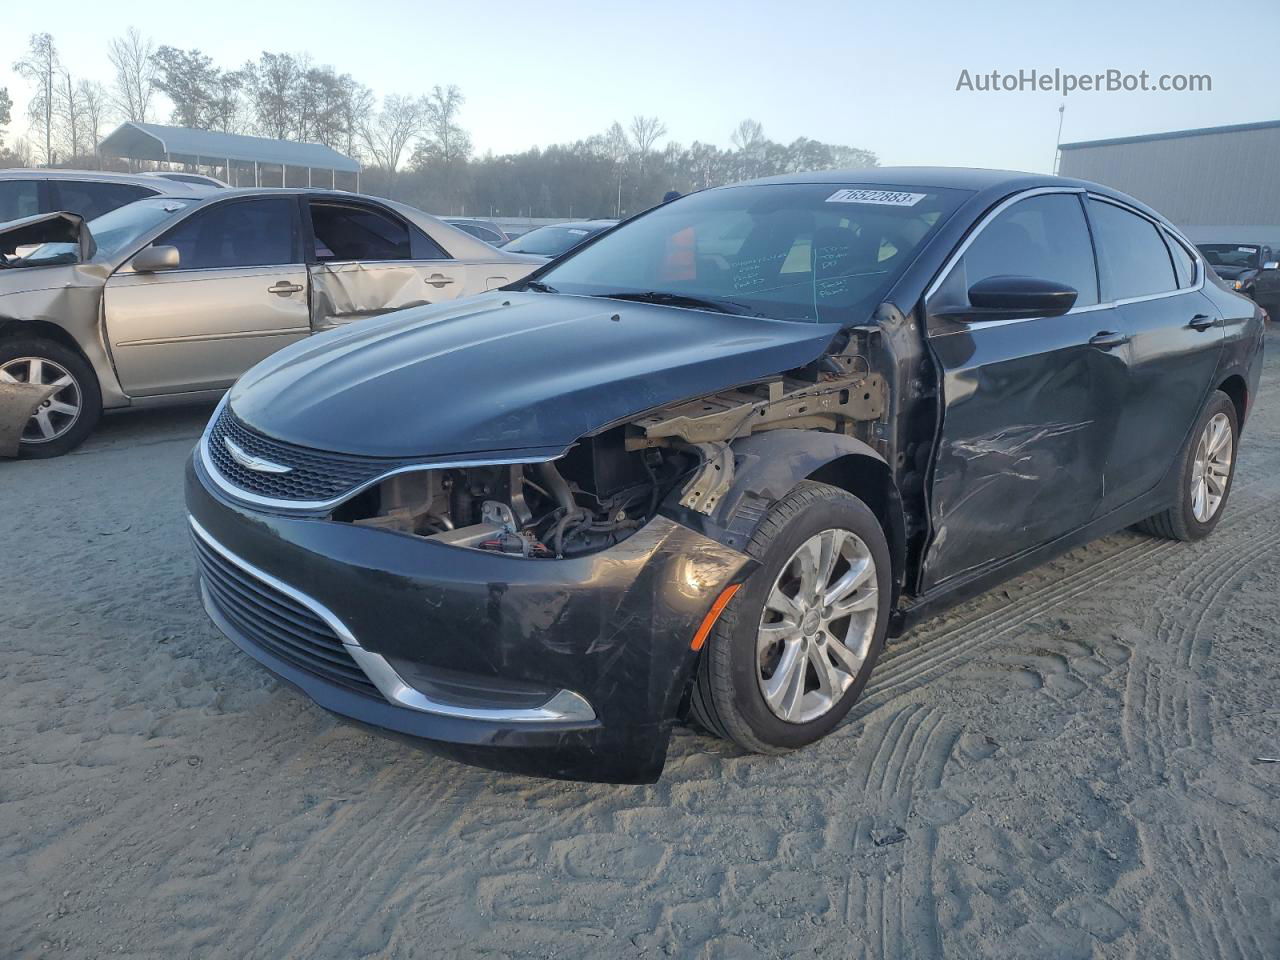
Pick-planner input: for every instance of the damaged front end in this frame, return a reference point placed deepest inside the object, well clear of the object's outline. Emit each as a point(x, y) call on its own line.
point(613, 482)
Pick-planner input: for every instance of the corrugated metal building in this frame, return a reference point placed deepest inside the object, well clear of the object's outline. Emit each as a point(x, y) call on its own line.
point(1217, 183)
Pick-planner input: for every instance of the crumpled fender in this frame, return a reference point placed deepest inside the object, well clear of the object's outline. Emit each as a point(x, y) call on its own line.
point(768, 465)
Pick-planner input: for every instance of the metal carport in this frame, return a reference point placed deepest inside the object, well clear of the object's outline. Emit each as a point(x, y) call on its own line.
point(235, 155)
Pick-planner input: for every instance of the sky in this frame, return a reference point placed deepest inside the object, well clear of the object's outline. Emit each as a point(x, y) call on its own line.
point(881, 76)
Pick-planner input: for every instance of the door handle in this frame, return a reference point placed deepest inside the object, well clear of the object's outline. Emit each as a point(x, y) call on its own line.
point(1201, 322)
point(284, 289)
point(1106, 339)
point(438, 280)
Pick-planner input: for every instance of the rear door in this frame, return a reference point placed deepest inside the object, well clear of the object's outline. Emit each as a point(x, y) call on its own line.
point(238, 295)
point(1175, 337)
point(366, 260)
point(1028, 405)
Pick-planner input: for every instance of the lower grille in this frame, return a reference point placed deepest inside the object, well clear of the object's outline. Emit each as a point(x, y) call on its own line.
point(274, 621)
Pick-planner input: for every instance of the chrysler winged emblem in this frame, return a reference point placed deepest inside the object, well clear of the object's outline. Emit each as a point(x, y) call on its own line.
point(250, 462)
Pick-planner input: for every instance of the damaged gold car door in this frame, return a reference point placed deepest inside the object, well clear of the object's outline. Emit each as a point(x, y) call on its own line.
point(234, 292)
point(366, 260)
point(351, 290)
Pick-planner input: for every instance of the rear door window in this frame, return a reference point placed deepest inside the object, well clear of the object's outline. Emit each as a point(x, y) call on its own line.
point(243, 233)
point(91, 199)
point(1134, 259)
point(18, 199)
point(1045, 237)
point(346, 232)
point(1184, 264)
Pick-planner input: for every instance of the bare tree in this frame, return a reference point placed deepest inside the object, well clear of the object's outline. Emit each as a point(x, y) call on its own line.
point(70, 112)
point(40, 67)
point(619, 148)
point(446, 142)
point(387, 133)
point(6, 106)
point(357, 104)
point(645, 131)
point(748, 137)
point(135, 74)
point(94, 102)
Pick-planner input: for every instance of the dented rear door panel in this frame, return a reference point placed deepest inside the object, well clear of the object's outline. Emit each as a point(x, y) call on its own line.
point(342, 292)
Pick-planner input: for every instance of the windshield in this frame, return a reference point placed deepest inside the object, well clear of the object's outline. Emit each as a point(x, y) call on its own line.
point(1230, 254)
point(551, 241)
point(813, 252)
point(113, 231)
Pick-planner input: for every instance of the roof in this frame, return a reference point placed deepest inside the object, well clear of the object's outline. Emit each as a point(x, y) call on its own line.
point(153, 141)
point(963, 178)
point(158, 184)
point(1173, 135)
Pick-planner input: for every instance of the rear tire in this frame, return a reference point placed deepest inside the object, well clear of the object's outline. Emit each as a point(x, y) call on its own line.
point(70, 414)
point(1202, 473)
point(771, 686)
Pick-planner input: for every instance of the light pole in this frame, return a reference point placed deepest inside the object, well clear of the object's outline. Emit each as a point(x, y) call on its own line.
point(1057, 147)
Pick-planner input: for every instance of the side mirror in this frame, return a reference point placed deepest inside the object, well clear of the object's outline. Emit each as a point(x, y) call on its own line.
point(1271, 265)
point(1009, 297)
point(153, 259)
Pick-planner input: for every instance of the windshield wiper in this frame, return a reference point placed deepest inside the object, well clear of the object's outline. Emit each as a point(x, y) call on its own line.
point(677, 300)
point(537, 286)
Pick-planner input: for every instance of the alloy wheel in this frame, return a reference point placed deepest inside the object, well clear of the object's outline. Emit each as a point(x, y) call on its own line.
point(56, 415)
point(817, 626)
point(1211, 468)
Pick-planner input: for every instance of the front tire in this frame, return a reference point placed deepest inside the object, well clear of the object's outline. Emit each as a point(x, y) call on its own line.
point(793, 650)
point(65, 419)
point(1206, 467)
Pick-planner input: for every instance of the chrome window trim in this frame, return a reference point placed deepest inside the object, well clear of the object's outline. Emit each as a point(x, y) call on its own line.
point(995, 211)
point(311, 506)
point(561, 707)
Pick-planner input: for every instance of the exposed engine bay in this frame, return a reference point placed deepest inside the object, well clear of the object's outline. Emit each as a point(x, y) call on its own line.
point(611, 483)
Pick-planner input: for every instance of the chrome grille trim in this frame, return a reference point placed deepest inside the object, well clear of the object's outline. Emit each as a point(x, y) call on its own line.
point(224, 484)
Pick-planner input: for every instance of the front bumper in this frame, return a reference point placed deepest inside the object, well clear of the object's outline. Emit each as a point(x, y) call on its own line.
point(607, 636)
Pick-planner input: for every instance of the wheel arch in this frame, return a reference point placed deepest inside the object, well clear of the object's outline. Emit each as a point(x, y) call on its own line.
point(768, 465)
point(11, 328)
point(1237, 390)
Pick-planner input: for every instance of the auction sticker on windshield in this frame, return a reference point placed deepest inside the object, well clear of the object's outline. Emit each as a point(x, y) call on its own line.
point(891, 198)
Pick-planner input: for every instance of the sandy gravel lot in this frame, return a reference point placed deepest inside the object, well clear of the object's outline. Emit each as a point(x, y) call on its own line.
point(1067, 763)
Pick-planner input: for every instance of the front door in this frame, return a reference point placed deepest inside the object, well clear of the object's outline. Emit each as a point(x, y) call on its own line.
point(1028, 406)
point(238, 294)
point(367, 261)
point(1175, 336)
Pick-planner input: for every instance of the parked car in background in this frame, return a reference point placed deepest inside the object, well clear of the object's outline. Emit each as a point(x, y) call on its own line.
point(1250, 268)
point(703, 465)
point(558, 238)
point(484, 230)
point(171, 298)
point(180, 176)
point(88, 193)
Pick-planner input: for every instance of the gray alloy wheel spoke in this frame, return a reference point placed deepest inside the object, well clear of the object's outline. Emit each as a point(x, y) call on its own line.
point(807, 660)
point(786, 686)
point(1211, 469)
point(858, 573)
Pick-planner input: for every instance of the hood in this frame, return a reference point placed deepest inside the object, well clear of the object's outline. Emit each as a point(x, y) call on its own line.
point(507, 372)
point(60, 227)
